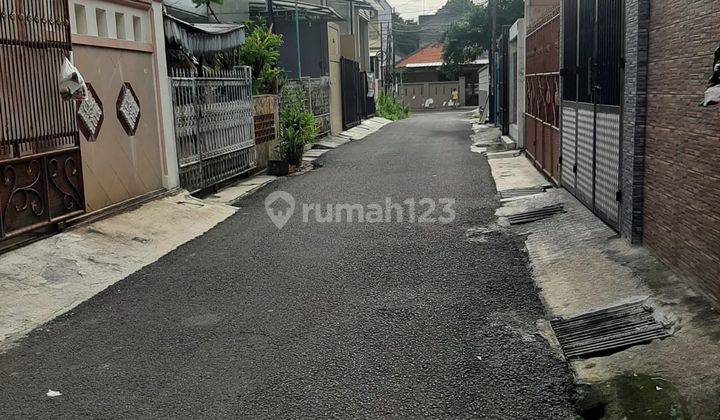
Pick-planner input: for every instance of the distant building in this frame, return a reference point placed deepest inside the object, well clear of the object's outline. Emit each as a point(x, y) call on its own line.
point(424, 85)
point(432, 27)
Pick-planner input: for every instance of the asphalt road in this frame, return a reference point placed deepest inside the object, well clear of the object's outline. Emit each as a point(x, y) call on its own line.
point(366, 320)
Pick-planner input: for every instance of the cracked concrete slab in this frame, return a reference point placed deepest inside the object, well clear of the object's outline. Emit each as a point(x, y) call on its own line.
point(50, 277)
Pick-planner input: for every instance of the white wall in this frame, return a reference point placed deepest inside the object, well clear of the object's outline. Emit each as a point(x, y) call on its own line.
point(106, 19)
point(517, 40)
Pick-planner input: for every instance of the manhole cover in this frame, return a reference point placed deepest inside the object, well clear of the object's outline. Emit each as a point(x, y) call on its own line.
point(608, 329)
point(534, 215)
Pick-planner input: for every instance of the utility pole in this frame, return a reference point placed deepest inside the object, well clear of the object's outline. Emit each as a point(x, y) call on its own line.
point(297, 40)
point(271, 12)
point(381, 58)
point(492, 4)
point(394, 73)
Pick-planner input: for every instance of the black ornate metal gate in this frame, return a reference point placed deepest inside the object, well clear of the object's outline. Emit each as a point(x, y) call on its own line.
point(40, 166)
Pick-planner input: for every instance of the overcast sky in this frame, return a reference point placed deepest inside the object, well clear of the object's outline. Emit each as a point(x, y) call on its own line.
point(410, 9)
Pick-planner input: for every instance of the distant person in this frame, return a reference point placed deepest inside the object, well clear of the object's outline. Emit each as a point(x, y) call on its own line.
point(455, 98)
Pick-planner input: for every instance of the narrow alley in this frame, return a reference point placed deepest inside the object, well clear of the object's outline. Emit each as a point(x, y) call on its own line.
point(317, 319)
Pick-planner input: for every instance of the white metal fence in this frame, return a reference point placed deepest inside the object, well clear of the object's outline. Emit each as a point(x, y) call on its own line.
point(214, 128)
point(317, 99)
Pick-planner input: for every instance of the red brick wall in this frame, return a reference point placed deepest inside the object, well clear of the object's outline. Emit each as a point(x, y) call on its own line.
point(681, 211)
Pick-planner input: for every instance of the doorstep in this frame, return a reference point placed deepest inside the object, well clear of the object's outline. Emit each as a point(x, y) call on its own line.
point(581, 265)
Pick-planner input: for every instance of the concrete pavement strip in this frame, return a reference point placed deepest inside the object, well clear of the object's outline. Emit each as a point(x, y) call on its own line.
point(580, 265)
point(50, 277)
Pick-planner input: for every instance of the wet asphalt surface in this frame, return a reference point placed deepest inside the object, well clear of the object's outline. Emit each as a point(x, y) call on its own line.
point(347, 320)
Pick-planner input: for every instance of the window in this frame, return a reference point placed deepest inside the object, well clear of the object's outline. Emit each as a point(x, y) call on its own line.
point(137, 29)
point(102, 24)
point(80, 20)
point(120, 25)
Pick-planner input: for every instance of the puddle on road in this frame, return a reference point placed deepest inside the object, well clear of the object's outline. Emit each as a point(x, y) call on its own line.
point(633, 396)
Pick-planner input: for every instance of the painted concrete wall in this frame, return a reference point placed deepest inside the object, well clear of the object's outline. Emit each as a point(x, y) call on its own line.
point(517, 77)
point(335, 84)
point(113, 44)
point(419, 95)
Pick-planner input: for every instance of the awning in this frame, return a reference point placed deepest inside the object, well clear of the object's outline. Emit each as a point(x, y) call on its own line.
point(306, 9)
point(203, 38)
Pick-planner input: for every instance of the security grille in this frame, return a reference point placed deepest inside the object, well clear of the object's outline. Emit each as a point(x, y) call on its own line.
point(214, 125)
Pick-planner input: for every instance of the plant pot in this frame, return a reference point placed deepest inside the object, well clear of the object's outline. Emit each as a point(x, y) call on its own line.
point(278, 167)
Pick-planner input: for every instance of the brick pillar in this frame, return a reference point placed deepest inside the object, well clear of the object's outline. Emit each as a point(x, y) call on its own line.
point(635, 96)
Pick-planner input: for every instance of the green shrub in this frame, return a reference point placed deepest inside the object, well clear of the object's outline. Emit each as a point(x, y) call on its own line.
point(260, 51)
point(388, 107)
point(297, 124)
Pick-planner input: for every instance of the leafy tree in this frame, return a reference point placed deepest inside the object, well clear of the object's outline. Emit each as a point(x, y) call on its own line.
point(406, 35)
point(457, 8)
point(260, 51)
point(467, 39)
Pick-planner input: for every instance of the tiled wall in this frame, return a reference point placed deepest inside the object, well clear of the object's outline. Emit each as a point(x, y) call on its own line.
point(637, 17)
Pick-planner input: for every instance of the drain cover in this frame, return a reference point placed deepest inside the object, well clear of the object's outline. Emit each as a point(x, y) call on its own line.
point(534, 215)
point(608, 329)
point(520, 192)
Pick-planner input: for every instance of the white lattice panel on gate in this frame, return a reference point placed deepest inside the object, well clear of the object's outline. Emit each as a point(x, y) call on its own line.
point(214, 125)
point(569, 131)
point(584, 174)
point(607, 163)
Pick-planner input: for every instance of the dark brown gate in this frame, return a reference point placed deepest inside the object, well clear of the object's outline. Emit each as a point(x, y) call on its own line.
point(542, 73)
point(40, 167)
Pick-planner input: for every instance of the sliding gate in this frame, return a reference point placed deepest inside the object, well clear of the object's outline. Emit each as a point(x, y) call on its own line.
point(592, 95)
point(214, 125)
point(40, 166)
point(542, 70)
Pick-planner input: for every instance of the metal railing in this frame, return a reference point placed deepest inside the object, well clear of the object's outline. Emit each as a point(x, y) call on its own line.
point(214, 127)
point(317, 100)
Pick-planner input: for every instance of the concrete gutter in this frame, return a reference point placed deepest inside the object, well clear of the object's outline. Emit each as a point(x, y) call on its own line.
point(580, 265)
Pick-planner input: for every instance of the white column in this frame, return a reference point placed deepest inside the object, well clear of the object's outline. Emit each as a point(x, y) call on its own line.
point(171, 175)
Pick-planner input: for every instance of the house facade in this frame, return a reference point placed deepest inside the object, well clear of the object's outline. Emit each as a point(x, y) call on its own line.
point(637, 125)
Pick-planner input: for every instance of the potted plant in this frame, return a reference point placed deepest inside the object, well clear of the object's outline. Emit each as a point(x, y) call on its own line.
point(297, 125)
point(277, 164)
